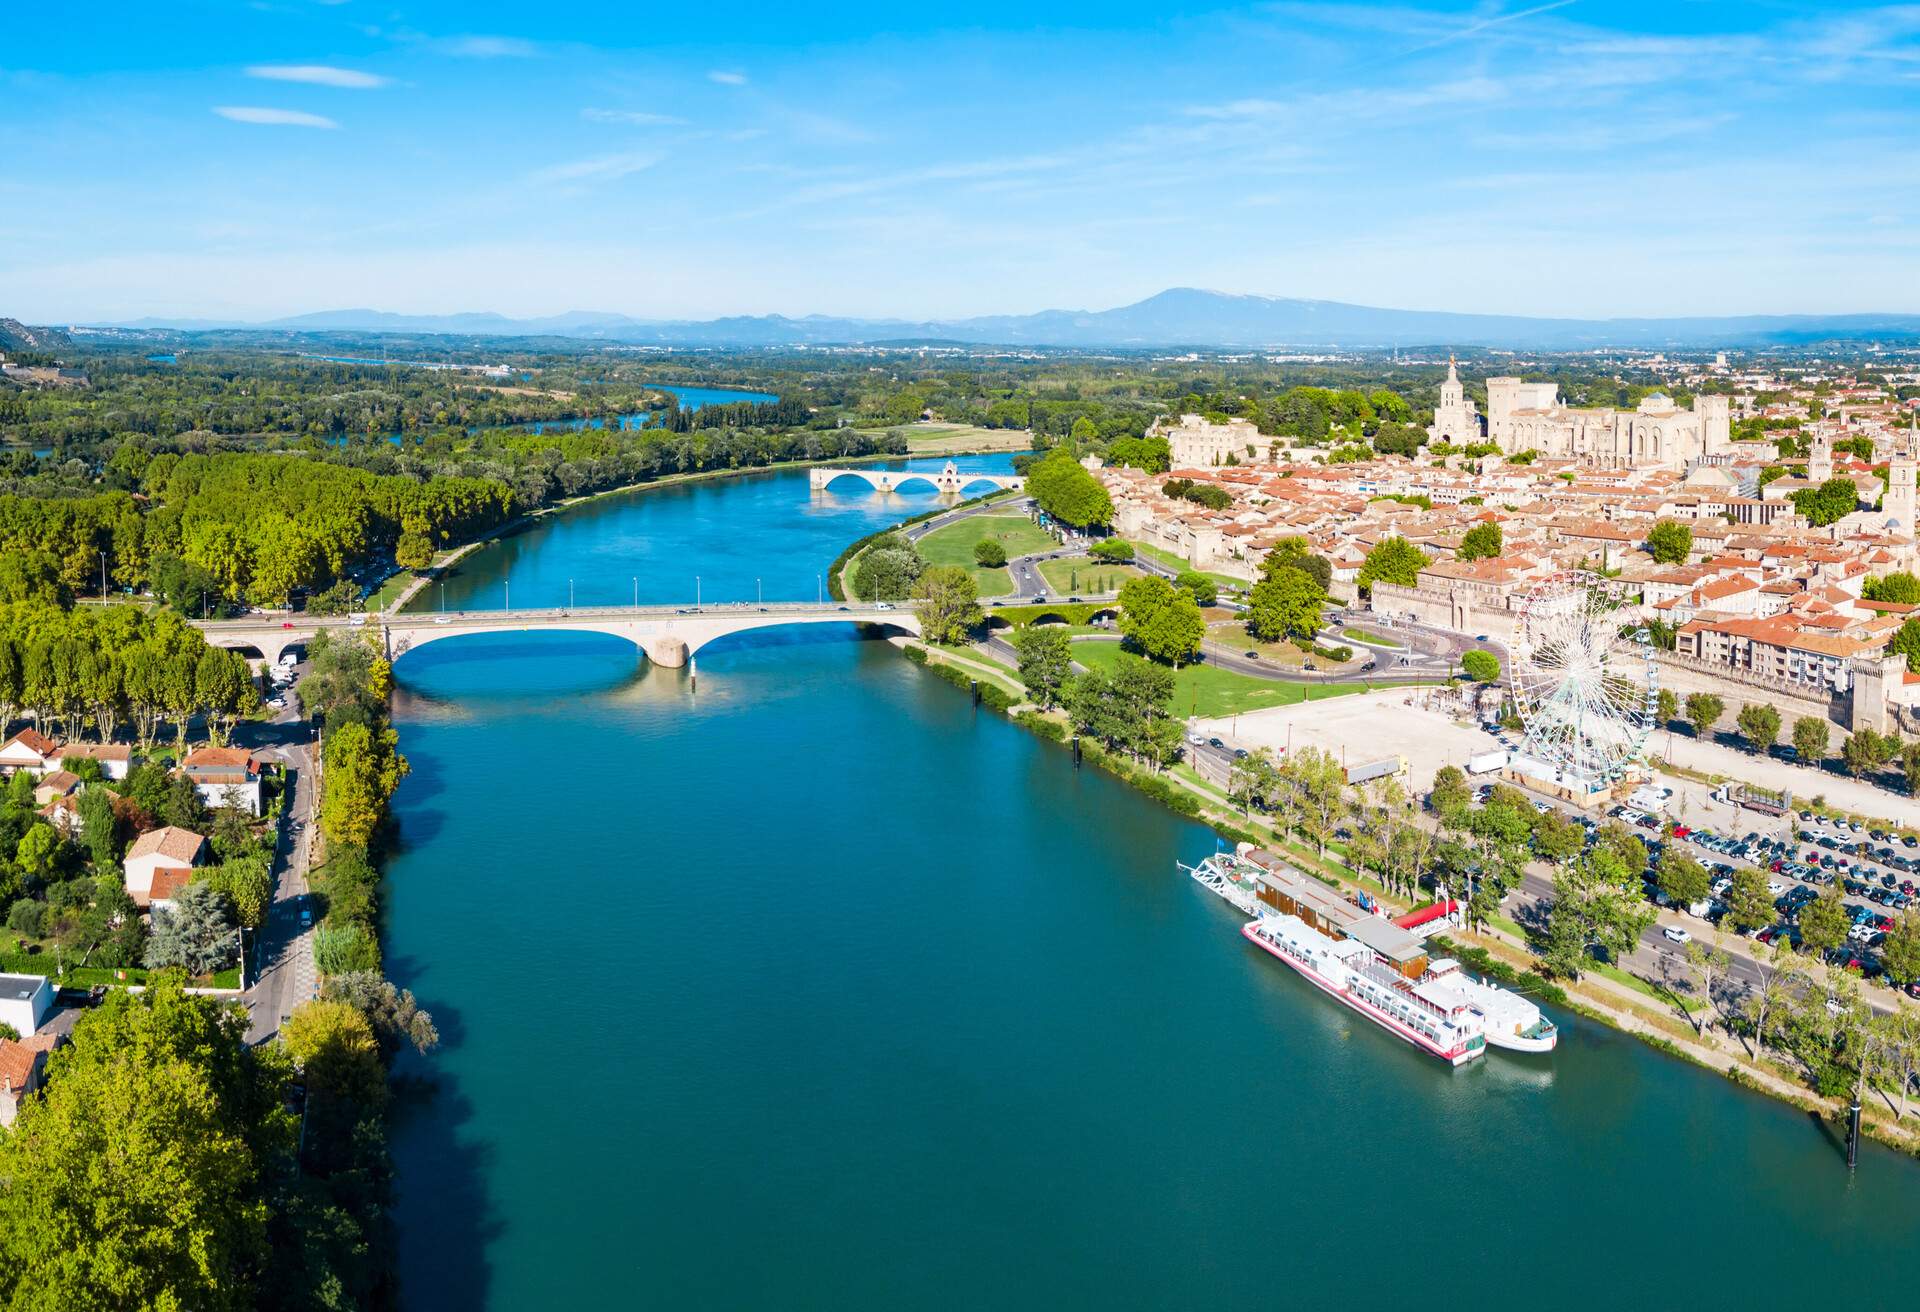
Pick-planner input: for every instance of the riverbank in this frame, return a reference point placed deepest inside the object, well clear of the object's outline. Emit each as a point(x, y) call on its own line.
point(1656, 1012)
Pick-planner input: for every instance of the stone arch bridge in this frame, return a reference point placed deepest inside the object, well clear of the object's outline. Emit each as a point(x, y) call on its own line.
point(950, 481)
point(669, 635)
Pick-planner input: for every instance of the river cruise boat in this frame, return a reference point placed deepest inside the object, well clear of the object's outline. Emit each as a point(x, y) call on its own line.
point(1348, 969)
point(1376, 966)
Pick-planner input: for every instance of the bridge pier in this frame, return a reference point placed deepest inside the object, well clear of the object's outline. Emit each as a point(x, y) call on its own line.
point(665, 650)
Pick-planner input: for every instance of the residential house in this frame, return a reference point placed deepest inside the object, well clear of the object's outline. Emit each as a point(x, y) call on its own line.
point(23, 1066)
point(225, 776)
point(115, 758)
point(29, 750)
point(54, 784)
point(160, 863)
point(25, 1000)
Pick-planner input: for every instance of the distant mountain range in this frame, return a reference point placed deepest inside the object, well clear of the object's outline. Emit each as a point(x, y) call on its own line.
point(1180, 317)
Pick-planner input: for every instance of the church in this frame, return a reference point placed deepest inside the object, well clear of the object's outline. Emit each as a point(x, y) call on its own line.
point(1454, 419)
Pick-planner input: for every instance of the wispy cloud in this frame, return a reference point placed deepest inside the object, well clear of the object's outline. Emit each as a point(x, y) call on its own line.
point(601, 168)
point(1497, 20)
point(319, 75)
point(638, 118)
point(284, 118)
point(486, 47)
point(727, 77)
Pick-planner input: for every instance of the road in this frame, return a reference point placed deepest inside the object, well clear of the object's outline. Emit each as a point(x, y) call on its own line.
point(288, 976)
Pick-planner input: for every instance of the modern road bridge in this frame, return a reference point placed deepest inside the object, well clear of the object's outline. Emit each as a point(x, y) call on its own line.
point(949, 481)
point(669, 635)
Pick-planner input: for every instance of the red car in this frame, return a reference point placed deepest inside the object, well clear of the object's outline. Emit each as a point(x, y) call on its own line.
point(286, 624)
point(1681, 831)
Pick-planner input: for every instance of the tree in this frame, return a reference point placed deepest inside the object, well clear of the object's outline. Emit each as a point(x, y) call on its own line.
point(1254, 781)
point(1063, 488)
point(137, 1179)
point(1864, 752)
point(1287, 603)
point(887, 570)
point(1670, 542)
point(1481, 542)
point(1046, 661)
point(1199, 585)
point(333, 1043)
point(1910, 767)
point(38, 849)
point(363, 768)
point(1749, 904)
point(1318, 785)
point(1392, 560)
point(1162, 621)
point(1783, 978)
point(1557, 838)
point(1906, 642)
point(1709, 962)
point(1597, 904)
point(246, 882)
point(947, 602)
point(1451, 795)
point(1113, 550)
point(398, 1021)
point(1824, 923)
point(1704, 710)
point(989, 554)
point(1669, 706)
point(1297, 553)
point(1759, 725)
point(1901, 951)
point(1682, 879)
point(1832, 501)
point(1480, 666)
point(196, 933)
point(1900, 586)
point(1810, 734)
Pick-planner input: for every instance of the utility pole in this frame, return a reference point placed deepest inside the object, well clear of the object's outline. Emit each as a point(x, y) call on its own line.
point(103, 576)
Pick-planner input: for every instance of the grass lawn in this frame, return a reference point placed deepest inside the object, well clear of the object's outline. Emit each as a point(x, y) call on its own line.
point(938, 439)
point(1377, 638)
point(1208, 692)
point(389, 592)
point(1082, 575)
point(953, 545)
point(1233, 635)
point(1172, 561)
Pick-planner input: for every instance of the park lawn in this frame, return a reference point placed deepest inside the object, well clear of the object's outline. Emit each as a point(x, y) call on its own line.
point(1373, 636)
point(1233, 635)
point(953, 545)
point(1204, 691)
point(1080, 574)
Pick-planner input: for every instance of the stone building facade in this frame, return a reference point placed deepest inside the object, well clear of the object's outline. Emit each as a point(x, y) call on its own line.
point(1196, 444)
point(1523, 416)
point(1455, 419)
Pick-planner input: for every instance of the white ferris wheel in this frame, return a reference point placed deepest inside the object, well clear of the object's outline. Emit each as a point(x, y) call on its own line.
point(1584, 677)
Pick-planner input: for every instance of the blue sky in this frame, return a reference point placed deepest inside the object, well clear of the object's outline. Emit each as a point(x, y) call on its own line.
point(232, 159)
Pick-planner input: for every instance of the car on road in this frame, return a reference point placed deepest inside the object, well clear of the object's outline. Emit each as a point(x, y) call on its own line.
point(1195, 740)
point(443, 619)
point(1215, 742)
point(306, 917)
point(1675, 934)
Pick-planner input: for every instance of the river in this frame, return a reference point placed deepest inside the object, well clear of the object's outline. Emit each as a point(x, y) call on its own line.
point(815, 987)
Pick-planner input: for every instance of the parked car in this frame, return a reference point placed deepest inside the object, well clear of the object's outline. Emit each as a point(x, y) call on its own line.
point(1675, 934)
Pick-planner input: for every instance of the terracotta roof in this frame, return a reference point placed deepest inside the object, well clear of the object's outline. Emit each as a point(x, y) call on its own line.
point(168, 841)
point(17, 1062)
point(34, 740)
point(219, 758)
point(98, 751)
point(166, 883)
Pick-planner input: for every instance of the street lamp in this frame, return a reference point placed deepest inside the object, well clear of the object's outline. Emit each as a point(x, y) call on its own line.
point(103, 576)
point(756, 592)
point(636, 592)
point(819, 591)
point(696, 592)
point(509, 587)
point(443, 595)
point(569, 594)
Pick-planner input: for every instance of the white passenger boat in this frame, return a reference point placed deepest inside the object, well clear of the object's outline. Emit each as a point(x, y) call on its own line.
point(1437, 1023)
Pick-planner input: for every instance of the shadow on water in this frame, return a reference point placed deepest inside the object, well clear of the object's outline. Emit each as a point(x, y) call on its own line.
point(446, 1239)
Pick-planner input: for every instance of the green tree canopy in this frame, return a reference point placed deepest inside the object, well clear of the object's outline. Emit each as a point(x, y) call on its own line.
point(1481, 542)
point(947, 602)
point(1064, 489)
point(1670, 541)
point(1163, 622)
point(1392, 560)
